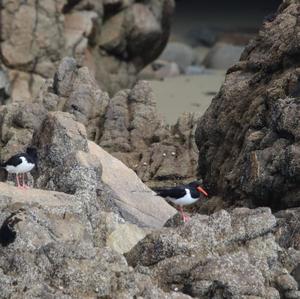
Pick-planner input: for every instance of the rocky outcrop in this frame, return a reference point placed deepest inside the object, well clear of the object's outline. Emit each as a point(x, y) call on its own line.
point(134, 133)
point(248, 138)
point(50, 249)
point(127, 125)
point(225, 255)
point(108, 36)
point(70, 163)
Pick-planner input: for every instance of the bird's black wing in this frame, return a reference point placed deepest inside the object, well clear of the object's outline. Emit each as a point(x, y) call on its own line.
point(175, 192)
point(14, 160)
point(30, 159)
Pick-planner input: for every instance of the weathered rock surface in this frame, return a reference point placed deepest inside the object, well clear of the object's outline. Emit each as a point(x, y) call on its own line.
point(248, 139)
point(180, 53)
point(36, 36)
point(127, 125)
point(129, 194)
point(288, 230)
point(48, 250)
point(225, 255)
point(70, 163)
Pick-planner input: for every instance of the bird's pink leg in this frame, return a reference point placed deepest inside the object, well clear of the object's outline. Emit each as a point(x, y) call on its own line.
point(18, 183)
point(24, 185)
point(185, 218)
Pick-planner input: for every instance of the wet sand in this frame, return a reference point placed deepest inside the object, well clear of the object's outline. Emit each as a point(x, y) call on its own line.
point(181, 94)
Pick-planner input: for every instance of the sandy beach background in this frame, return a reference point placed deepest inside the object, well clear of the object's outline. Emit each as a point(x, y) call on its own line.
point(237, 21)
point(186, 94)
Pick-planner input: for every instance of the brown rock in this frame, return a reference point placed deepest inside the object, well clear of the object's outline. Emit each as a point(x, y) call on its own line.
point(248, 138)
point(100, 34)
point(210, 256)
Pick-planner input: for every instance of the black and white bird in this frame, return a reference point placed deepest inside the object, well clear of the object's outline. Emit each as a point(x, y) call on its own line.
point(21, 164)
point(182, 195)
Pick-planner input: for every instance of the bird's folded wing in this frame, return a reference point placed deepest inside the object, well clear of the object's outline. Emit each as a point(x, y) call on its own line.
point(176, 192)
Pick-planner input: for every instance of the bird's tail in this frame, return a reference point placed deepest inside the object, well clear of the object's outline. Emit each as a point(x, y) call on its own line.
point(160, 192)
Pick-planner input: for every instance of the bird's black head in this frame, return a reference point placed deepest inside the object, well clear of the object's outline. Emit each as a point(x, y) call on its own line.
point(32, 152)
point(196, 186)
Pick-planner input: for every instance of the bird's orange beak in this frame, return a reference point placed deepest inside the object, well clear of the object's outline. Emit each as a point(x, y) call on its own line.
point(202, 191)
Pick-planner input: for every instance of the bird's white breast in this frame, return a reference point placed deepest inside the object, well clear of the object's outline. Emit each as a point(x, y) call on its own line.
point(25, 166)
point(187, 199)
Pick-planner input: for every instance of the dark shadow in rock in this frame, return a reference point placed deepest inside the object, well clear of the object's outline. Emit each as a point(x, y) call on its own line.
point(7, 231)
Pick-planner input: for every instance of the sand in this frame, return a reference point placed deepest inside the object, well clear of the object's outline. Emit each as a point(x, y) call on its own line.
point(186, 94)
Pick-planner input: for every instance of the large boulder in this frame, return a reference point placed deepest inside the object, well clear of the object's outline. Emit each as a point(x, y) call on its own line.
point(248, 139)
point(34, 38)
point(225, 255)
point(222, 56)
point(69, 163)
point(180, 53)
point(49, 249)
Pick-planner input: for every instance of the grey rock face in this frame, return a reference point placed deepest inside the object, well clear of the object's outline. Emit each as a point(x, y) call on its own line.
point(248, 138)
point(181, 54)
point(50, 248)
point(35, 37)
point(210, 257)
point(127, 125)
point(53, 244)
point(18, 121)
point(70, 163)
point(134, 133)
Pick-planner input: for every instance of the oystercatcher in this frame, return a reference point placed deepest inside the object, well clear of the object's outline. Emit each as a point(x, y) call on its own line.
point(182, 195)
point(21, 164)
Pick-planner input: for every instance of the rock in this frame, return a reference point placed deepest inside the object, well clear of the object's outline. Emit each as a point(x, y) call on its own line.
point(4, 87)
point(44, 216)
point(286, 282)
point(18, 121)
point(292, 295)
point(124, 237)
point(222, 56)
point(112, 34)
point(203, 36)
point(34, 38)
point(201, 52)
point(127, 126)
point(51, 252)
point(179, 53)
point(142, 31)
point(74, 90)
point(211, 256)
point(78, 27)
point(70, 163)
point(247, 139)
point(133, 133)
point(288, 231)
point(135, 201)
point(165, 69)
